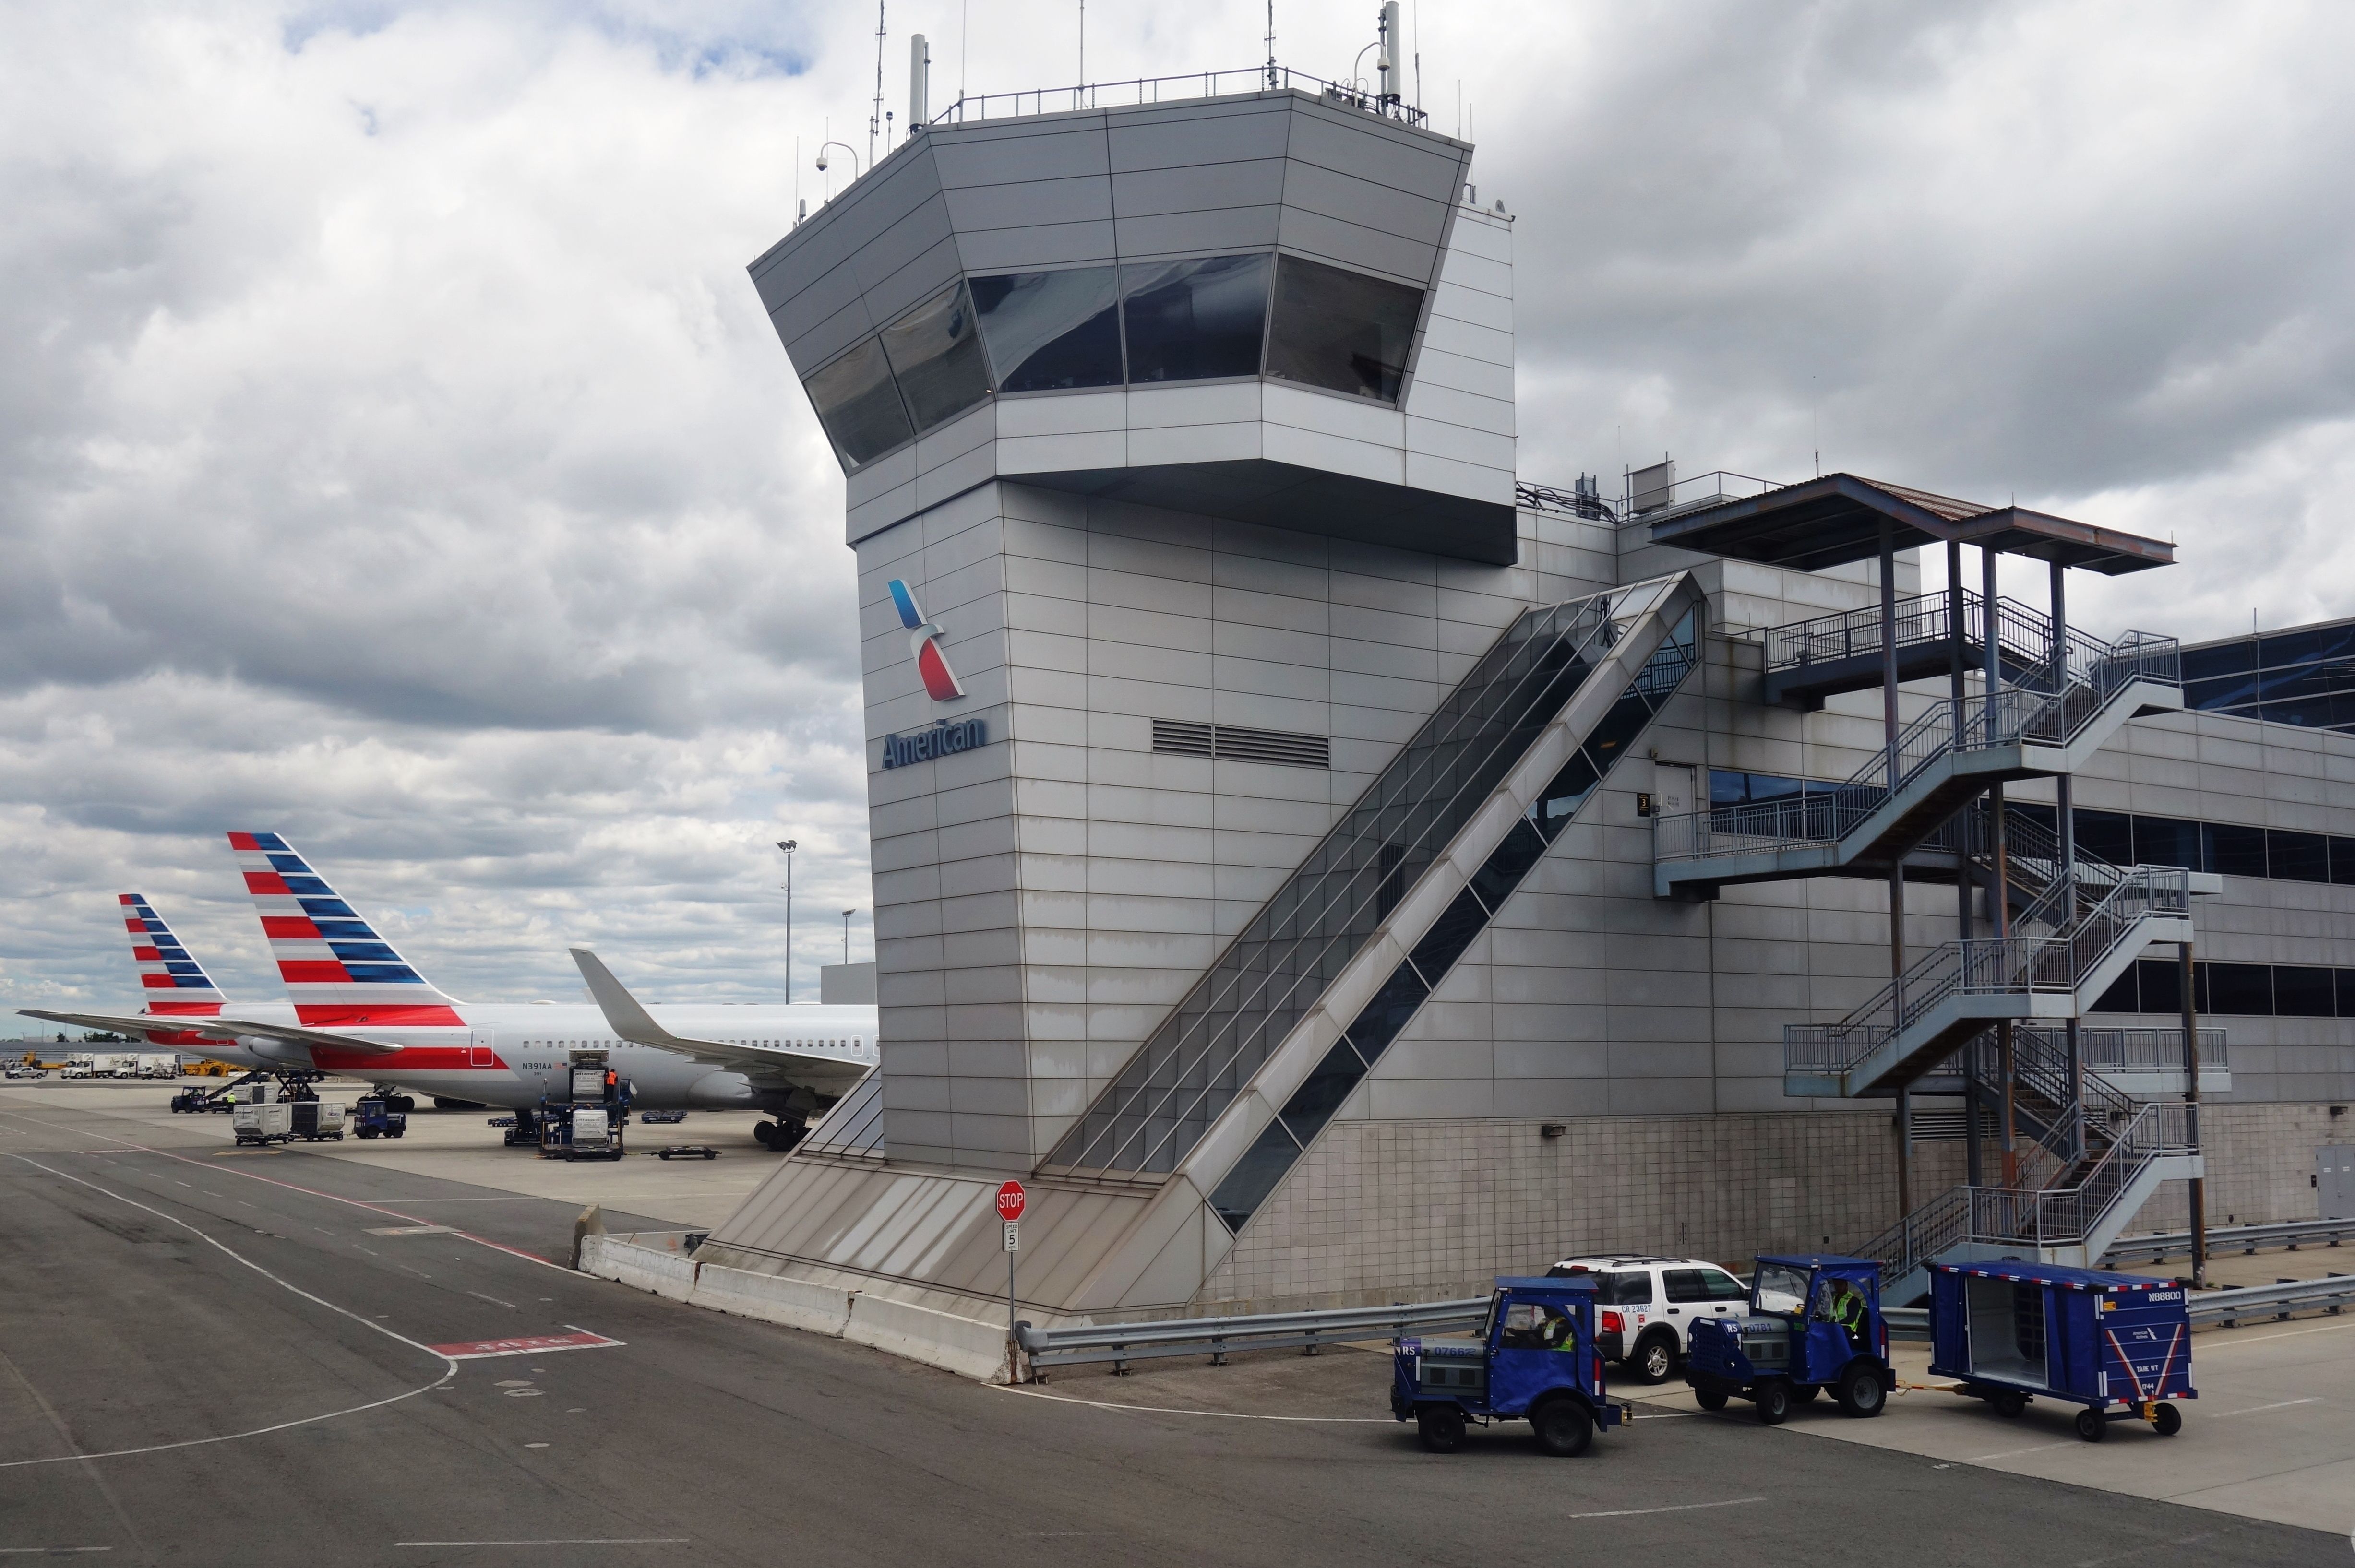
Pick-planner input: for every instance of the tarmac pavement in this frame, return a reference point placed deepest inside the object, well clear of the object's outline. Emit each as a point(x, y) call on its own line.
point(209, 1355)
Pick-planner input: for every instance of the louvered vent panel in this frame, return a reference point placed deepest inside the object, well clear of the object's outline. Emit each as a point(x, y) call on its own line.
point(1235, 743)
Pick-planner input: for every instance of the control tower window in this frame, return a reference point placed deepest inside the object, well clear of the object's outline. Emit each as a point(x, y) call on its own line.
point(1189, 321)
point(859, 406)
point(936, 354)
point(1048, 331)
point(1341, 331)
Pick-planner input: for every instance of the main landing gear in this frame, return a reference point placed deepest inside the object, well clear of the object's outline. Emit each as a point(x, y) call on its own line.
point(779, 1136)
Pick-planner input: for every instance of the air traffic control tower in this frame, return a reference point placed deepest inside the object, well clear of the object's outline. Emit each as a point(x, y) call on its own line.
point(1258, 777)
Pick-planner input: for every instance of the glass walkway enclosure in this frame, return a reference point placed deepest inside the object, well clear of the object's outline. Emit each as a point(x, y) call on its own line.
point(1193, 1067)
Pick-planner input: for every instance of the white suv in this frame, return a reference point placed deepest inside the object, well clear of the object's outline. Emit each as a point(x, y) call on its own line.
point(1645, 1304)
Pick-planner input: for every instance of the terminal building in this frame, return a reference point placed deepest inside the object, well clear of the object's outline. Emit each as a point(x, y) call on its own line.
point(1326, 867)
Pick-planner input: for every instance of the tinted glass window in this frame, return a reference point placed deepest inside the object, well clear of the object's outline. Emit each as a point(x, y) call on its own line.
point(1190, 319)
point(2232, 850)
point(2300, 647)
point(2342, 860)
point(2240, 989)
point(1722, 1286)
point(1051, 330)
point(1684, 1285)
point(1633, 1288)
point(2220, 690)
point(936, 353)
point(2297, 857)
point(2166, 841)
point(2120, 997)
point(2223, 659)
point(859, 406)
point(2161, 985)
point(1342, 331)
point(1311, 1105)
point(2346, 988)
point(2106, 835)
point(2303, 992)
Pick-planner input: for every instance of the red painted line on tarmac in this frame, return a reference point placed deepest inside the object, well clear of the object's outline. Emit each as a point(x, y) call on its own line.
point(527, 1345)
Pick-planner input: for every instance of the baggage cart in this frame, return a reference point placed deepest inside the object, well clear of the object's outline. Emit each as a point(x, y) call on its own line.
point(318, 1121)
point(2011, 1331)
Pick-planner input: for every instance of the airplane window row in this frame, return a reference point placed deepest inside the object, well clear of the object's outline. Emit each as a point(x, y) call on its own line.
point(1193, 320)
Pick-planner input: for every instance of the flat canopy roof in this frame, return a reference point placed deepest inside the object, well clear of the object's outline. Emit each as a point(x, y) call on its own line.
point(1837, 519)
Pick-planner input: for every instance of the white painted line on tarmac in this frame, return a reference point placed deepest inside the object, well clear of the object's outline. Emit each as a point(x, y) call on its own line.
point(1677, 1508)
point(2016, 1452)
point(2210, 1347)
point(48, 1551)
point(296, 1290)
point(2279, 1404)
point(495, 1301)
point(1222, 1415)
point(588, 1541)
point(331, 1197)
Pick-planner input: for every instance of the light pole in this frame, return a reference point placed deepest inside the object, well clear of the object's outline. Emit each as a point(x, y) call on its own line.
point(789, 845)
point(846, 934)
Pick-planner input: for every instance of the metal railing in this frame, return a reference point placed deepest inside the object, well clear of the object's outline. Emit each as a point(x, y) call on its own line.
point(2098, 672)
point(1991, 966)
point(2016, 1216)
point(1167, 1095)
point(1268, 77)
point(1702, 488)
point(1121, 1343)
point(2024, 636)
point(2232, 1306)
point(2243, 1239)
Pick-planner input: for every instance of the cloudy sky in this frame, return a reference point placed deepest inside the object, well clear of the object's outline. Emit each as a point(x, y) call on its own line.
point(393, 452)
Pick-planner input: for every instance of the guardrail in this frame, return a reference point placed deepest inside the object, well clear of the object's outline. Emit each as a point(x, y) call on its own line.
point(2232, 1238)
point(2254, 1303)
point(1121, 1343)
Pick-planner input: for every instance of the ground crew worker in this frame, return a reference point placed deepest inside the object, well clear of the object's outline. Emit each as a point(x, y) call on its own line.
point(1847, 1311)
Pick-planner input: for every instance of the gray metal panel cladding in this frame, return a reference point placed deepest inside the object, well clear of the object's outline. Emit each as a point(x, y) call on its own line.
point(1370, 204)
point(1180, 134)
point(1380, 151)
point(1196, 233)
point(820, 305)
point(988, 154)
point(1200, 188)
point(839, 230)
point(1359, 248)
point(1014, 249)
point(916, 280)
point(830, 337)
point(1025, 204)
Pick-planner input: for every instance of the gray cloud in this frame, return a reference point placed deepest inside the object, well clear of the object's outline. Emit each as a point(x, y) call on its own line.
point(393, 453)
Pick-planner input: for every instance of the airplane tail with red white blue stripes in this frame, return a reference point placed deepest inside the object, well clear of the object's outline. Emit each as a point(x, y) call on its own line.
point(339, 971)
point(170, 978)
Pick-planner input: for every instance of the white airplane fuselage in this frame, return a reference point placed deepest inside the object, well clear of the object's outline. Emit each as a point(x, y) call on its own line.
point(512, 1054)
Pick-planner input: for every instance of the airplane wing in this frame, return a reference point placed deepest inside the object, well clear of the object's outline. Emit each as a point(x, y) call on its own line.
point(215, 1028)
point(629, 1018)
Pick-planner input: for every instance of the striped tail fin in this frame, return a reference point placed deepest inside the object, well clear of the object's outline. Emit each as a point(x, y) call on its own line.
point(338, 970)
point(170, 978)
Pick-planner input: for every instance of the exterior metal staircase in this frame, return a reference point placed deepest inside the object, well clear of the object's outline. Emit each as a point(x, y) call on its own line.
point(1951, 753)
point(1959, 988)
point(1807, 661)
point(1566, 688)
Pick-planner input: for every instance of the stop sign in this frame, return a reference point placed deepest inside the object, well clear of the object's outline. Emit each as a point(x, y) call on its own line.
point(1011, 1199)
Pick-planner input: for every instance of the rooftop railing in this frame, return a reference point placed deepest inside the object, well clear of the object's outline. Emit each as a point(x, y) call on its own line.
point(1268, 77)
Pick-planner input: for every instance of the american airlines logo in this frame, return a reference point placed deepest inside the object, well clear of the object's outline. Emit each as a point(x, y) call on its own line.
point(924, 642)
point(923, 745)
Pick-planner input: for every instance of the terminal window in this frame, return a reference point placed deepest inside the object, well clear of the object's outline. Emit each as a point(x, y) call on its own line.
point(1342, 331)
point(1050, 331)
point(1191, 321)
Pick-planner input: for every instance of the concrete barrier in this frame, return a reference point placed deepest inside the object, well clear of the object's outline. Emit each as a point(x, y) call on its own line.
point(668, 1274)
point(659, 1262)
point(962, 1345)
point(794, 1303)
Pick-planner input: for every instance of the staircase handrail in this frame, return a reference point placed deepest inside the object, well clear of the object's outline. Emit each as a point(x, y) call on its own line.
point(2024, 635)
point(1992, 965)
point(2034, 1216)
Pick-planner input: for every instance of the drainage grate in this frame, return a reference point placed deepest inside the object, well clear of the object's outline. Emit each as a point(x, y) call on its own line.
point(1235, 743)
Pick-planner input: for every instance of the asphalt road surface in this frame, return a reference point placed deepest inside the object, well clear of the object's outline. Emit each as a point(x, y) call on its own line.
point(218, 1357)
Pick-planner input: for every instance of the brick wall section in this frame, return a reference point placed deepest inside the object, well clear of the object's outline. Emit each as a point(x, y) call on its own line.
point(1381, 1211)
point(2260, 1166)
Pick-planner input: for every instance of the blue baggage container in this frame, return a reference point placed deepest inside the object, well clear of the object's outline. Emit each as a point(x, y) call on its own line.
point(2119, 1344)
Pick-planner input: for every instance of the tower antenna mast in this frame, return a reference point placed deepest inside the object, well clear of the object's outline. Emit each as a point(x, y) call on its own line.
point(875, 120)
point(1271, 45)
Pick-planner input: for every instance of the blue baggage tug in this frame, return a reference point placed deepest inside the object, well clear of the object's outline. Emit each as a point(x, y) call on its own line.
point(1814, 1324)
point(1535, 1359)
point(2010, 1331)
